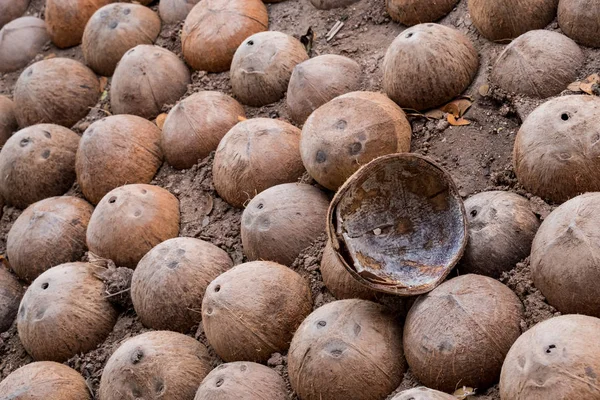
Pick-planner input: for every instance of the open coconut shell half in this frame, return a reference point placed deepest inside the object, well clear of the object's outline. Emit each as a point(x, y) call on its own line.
point(398, 225)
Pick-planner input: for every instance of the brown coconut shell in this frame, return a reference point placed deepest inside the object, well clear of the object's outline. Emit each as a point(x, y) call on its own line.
point(253, 310)
point(580, 20)
point(169, 282)
point(428, 65)
point(8, 121)
point(48, 233)
point(44, 380)
point(147, 78)
point(555, 154)
point(538, 63)
point(115, 151)
point(468, 322)
point(113, 30)
point(174, 11)
point(20, 41)
point(282, 221)
point(501, 228)
point(347, 349)
point(242, 168)
point(556, 359)
point(11, 292)
point(66, 19)
point(57, 90)
point(262, 67)
point(12, 9)
point(196, 125)
point(413, 12)
point(130, 220)
point(37, 162)
point(242, 381)
point(153, 365)
point(65, 312)
point(422, 393)
point(214, 29)
point(329, 4)
point(348, 132)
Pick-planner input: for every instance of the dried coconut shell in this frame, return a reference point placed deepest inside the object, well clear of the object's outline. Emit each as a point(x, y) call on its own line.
point(66, 19)
point(12, 9)
point(580, 20)
point(413, 12)
point(20, 41)
point(8, 121)
point(11, 293)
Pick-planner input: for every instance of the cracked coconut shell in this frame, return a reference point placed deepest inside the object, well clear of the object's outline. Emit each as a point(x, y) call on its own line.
point(196, 125)
point(214, 29)
point(253, 310)
point(580, 20)
point(65, 312)
point(413, 12)
point(130, 220)
point(115, 151)
point(8, 121)
point(11, 293)
point(422, 393)
point(469, 323)
point(348, 132)
point(12, 9)
point(428, 65)
point(243, 168)
point(48, 233)
point(155, 365)
point(347, 349)
point(20, 41)
point(329, 4)
point(147, 78)
point(113, 30)
point(174, 11)
point(37, 162)
point(66, 19)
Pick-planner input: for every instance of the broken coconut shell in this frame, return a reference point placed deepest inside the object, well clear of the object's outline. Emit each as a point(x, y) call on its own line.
point(329, 4)
point(423, 393)
point(398, 225)
point(66, 19)
point(580, 20)
point(11, 292)
point(8, 121)
point(12, 9)
point(413, 12)
point(20, 41)
point(174, 11)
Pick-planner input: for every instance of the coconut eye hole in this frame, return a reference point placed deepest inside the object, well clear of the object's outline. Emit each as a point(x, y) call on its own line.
point(260, 206)
point(250, 42)
point(24, 142)
point(409, 35)
point(219, 382)
point(218, 288)
point(321, 324)
point(45, 285)
point(550, 348)
point(126, 11)
point(144, 191)
point(112, 199)
point(47, 134)
point(565, 116)
point(473, 213)
point(46, 154)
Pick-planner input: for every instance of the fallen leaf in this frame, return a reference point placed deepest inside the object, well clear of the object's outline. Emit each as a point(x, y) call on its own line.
point(575, 87)
point(458, 107)
point(464, 392)
point(484, 90)
point(241, 118)
point(160, 120)
point(452, 109)
point(49, 56)
point(103, 83)
point(104, 95)
point(457, 122)
point(435, 114)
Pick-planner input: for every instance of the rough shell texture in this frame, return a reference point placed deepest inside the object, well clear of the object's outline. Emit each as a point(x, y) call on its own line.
point(46, 380)
point(348, 349)
point(539, 63)
point(66, 19)
point(115, 151)
point(555, 359)
point(262, 67)
point(57, 91)
point(155, 365)
point(253, 310)
point(556, 155)
point(196, 125)
point(243, 168)
point(147, 78)
point(428, 65)
point(505, 20)
point(48, 233)
point(11, 9)
point(329, 4)
point(580, 20)
point(11, 292)
point(37, 162)
point(398, 225)
point(214, 29)
point(501, 228)
point(282, 221)
point(20, 41)
point(169, 282)
point(242, 381)
point(65, 312)
point(413, 12)
point(8, 121)
point(469, 323)
point(113, 30)
point(348, 132)
point(422, 393)
point(174, 11)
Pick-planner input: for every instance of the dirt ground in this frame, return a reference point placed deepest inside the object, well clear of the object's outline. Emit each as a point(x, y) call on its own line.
point(477, 156)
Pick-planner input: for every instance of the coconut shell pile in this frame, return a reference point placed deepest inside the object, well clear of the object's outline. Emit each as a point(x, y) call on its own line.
point(299, 199)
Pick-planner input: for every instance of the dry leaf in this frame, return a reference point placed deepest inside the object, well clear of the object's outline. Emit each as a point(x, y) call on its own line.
point(241, 118)
point(484, 90)
point(435, 114)
point(103, 83)
point(457, 122)
point(458, 107)
point(49, 56)
point(464, 392)
point(451, 108)
point(575, 87)
point(160, 120)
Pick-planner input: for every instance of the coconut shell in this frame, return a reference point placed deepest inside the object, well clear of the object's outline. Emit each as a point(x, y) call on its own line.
point(65, 312)
point(580, 20)
point(556, 359)
point(501, 228)
point(20, 41)
point(253, 310)
point(113, 30)
point(196, 125)
point(130, 220)
point(153, 365)
point(169, 282)
point(44, 380)
point(468, 322)
point(329, 4)
point(262, 67)
point(348, 132)
point(347, 349)
point(242, 168)
point(8, 121)
point(147, 78)
point(282, 221)
point(242, 381)
point(11, 292)
point(555, 154)
point(66, 19)
point(37, 162)
point(115, 151)
point(57, 91)
point(174, 11)
point(422, 393)
point(214, 29)
point(48, 233)
point(12, 9)
point(413, 12)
